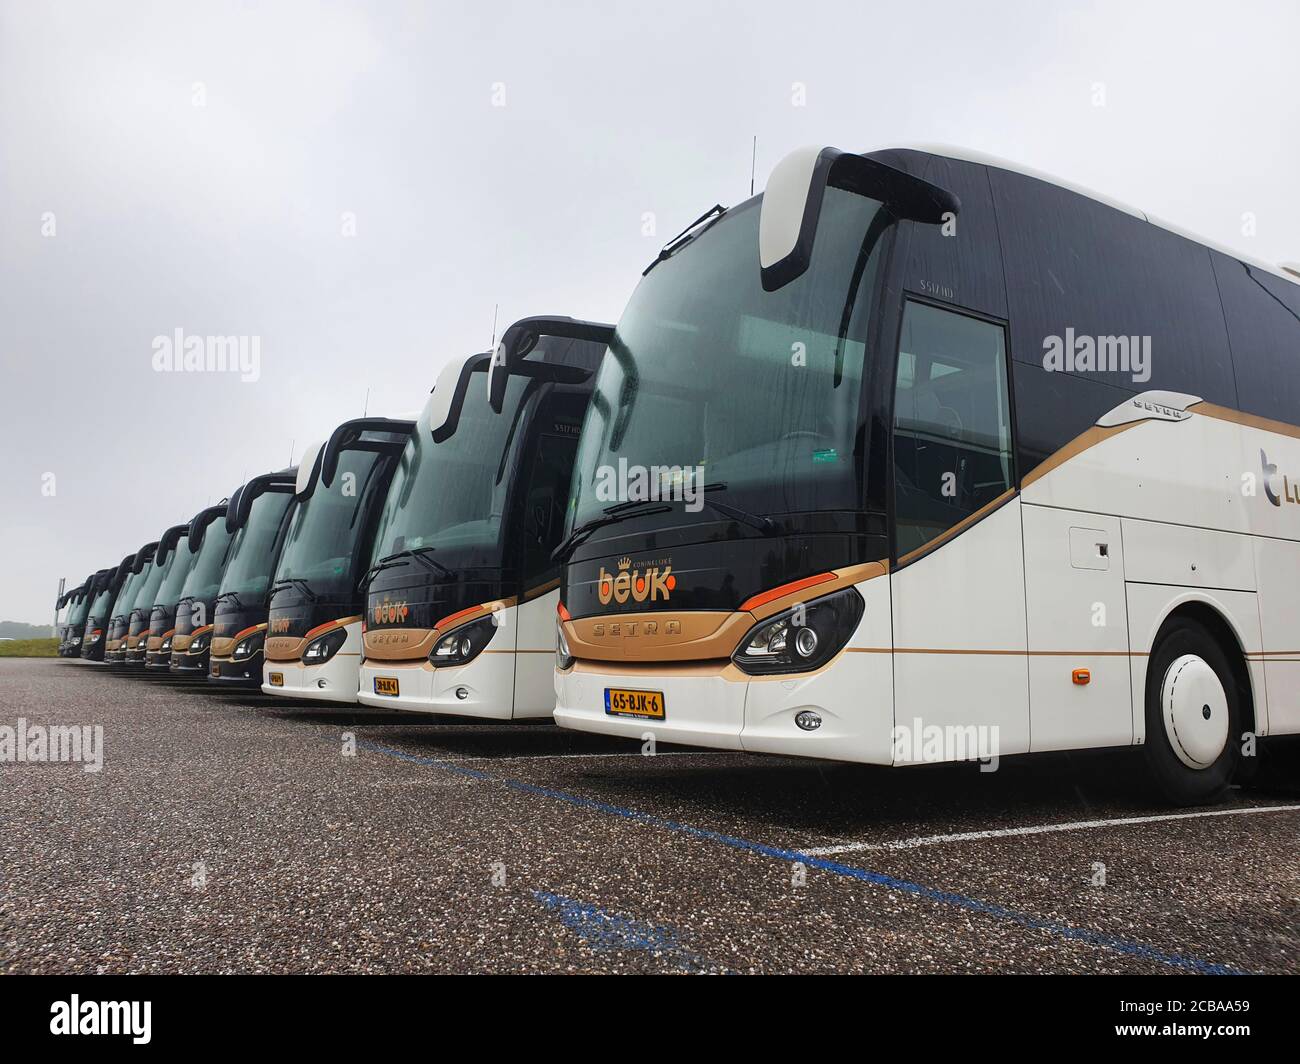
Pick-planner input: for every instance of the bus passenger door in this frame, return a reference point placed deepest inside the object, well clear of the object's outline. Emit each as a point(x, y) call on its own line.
point(546, 493)
point(961, 684)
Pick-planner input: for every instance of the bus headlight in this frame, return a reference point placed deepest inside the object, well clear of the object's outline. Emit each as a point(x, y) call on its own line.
point(246, 648)
point(199, 643)
point(464, 644)
point(94, 637)
point(803, 637)
point(166, 646)
point(322, 649)
point(563, 656)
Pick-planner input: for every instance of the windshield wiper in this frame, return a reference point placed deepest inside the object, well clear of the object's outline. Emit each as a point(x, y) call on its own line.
point(764, 524)
point(294, 581)
point(622, 511)
point(687, 235)
point(613, 515)
point(233, 598)
point(391, 561)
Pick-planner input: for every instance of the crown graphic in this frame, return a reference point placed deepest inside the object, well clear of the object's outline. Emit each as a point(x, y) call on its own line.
point(625, 562)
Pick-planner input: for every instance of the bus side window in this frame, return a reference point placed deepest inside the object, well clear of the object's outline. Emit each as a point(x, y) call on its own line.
point(952, 422)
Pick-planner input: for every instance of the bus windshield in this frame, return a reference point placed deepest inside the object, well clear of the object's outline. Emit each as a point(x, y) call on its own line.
point(758, 393)
point(150, 577)
point(325, 527)
point(126, 596)
point(103, 601)
point(204, 578)
point(178, 568)
point(248, 571)
point(81, 607)
point(453, 494)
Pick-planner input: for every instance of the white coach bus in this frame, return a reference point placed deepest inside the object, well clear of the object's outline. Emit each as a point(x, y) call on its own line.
point(972, 452)
point(460, 607)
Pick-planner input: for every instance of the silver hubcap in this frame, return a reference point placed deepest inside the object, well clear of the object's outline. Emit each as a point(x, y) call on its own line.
point(1194, 707)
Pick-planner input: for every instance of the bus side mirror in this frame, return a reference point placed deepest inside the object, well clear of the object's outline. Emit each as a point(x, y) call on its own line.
point(792, 204)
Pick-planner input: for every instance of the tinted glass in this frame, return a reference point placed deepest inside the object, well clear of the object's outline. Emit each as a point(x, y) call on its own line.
point(252, 557)
point(952, 422)
point(760, 389)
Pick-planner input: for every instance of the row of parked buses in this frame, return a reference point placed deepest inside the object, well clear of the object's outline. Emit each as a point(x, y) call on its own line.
point(916, 456)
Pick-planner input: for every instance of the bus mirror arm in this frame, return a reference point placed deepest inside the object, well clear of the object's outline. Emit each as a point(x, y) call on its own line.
point(520, 339)
point(349, 433)
point(792, 204)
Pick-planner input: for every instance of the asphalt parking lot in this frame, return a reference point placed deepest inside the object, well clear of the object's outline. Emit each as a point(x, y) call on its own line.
point(230, 832)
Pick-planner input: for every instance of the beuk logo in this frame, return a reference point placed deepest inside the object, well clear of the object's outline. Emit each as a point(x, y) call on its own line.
point(390, 612)
point(654, 583)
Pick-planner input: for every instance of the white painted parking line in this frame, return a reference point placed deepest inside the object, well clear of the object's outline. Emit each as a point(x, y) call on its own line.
point(1038, 829)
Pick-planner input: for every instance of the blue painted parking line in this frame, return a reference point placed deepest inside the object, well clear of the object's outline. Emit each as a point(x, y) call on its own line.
point(601, 930)
point(880, 879)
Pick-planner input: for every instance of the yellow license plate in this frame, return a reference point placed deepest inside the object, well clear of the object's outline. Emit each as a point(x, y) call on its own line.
point(386, 685)
point(620, 702)
point(277, 679)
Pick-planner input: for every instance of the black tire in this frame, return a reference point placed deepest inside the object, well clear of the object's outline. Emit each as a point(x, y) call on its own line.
point(1179, 783)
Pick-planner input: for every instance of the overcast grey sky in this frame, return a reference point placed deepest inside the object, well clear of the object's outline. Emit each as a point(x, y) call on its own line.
point(194, 165)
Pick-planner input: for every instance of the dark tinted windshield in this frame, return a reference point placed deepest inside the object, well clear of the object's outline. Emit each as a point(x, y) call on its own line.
point(454, 494)
point(251, 559)
point(125, 597)
point(151, 576)
point(204, 578)
point(713, 379)
point(325, 528)
point(178, 567)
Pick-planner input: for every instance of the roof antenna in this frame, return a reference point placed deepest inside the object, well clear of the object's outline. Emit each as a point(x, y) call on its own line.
point(753, 159)
point(495, 308)
point(291, 443)
point(365, 409)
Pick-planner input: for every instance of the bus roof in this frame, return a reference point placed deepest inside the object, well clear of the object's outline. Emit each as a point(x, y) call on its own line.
point(1288, 272)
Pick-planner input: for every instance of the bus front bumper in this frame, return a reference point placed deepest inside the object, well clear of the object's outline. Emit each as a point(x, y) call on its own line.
point(334, 680)
point(185, 664)
point(724, 709)
point(246, 673)
point(484, 687)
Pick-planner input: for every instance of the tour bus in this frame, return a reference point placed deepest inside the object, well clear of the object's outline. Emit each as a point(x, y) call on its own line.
point(968, 463)
point(95, 639)
point(62, 612)
point(209, 542)
point(75, 625)
point(120, 622)
point(462, 593)
point(67, 605)
point(313, 642)
point(139, 625)
point(256, 520)
point(162, 616)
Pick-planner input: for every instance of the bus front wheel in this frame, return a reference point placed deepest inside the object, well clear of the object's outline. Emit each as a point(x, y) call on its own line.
point(1193, 711)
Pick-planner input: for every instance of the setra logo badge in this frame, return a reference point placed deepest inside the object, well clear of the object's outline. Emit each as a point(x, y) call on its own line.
point(650, 583)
